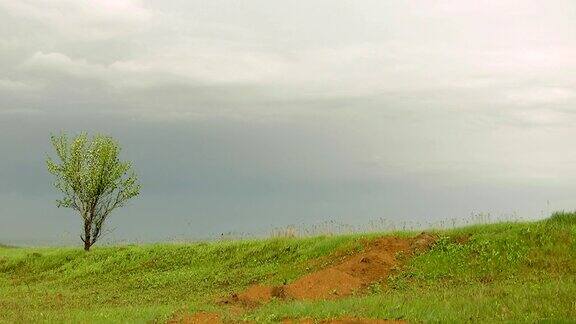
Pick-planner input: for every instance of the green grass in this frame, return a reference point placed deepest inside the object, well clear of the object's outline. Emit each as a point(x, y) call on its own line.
point(521, 272)
point(141, 283)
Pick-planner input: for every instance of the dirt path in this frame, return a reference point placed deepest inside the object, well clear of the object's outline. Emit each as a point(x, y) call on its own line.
point(353, 274)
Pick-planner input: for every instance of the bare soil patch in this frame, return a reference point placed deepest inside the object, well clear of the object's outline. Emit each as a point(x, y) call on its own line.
point(351, 275)
point(462, 239)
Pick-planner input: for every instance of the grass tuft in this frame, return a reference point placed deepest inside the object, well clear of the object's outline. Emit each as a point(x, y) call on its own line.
point(563, 217)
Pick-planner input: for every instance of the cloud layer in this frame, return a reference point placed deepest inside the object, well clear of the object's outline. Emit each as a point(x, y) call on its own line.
point(306, 111)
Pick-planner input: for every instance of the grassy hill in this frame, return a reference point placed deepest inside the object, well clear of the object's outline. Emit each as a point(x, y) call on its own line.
point(505, 271)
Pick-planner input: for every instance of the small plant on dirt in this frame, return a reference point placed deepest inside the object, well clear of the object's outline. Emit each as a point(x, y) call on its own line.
point(92, 179)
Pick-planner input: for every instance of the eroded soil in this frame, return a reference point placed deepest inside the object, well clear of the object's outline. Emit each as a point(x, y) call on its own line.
point(351, 275)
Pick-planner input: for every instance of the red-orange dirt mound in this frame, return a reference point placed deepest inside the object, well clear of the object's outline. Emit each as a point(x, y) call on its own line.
point(255, 294)
point(354, 273)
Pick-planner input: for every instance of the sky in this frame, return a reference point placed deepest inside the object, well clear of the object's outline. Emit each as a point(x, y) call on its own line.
point(245, 116)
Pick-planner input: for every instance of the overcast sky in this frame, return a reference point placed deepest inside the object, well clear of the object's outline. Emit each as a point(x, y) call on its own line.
point(248, 115)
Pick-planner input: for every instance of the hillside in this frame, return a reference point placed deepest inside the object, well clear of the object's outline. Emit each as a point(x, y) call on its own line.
point(505, 271)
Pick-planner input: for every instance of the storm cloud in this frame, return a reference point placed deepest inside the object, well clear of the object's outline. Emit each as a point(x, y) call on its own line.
point(242, 116)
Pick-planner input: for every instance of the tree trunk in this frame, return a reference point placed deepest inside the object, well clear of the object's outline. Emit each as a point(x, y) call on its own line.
point(87, 238)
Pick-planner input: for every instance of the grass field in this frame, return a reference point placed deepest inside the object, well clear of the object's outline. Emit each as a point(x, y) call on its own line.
point(521, 272)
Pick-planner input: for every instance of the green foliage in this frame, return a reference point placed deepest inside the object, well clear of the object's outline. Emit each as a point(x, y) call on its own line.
point(92, 179)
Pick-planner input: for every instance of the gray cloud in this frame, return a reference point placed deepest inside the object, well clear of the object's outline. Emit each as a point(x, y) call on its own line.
point(247, 115)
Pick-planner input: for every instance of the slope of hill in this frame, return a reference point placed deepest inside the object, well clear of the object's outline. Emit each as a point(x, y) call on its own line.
point(505, 271)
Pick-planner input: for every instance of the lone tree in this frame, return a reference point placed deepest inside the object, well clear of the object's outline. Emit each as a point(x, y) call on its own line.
point(92, 179)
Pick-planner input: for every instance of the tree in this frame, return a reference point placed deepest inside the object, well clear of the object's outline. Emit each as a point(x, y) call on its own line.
point(92, 179)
